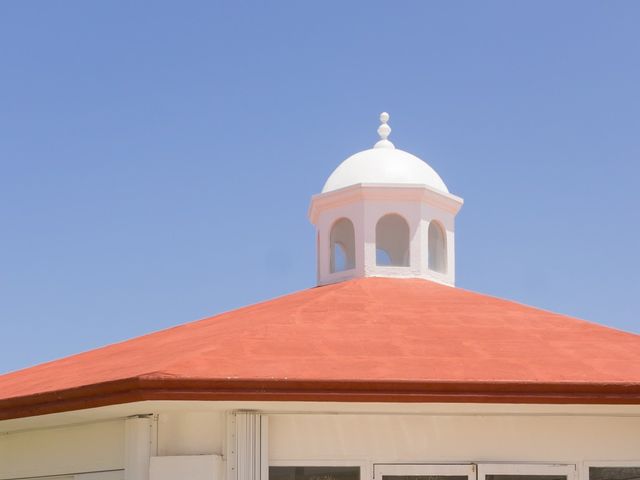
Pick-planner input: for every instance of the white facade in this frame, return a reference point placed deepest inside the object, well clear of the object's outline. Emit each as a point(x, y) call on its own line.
point(207, 440)
point(385, 213)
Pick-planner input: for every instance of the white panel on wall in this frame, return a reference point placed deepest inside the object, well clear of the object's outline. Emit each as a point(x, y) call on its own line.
point(424, 438)
point(190, 433)
point(186, 467)
point(62, 450)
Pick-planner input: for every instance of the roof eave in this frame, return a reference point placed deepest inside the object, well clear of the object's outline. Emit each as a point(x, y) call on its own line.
point(163, 388)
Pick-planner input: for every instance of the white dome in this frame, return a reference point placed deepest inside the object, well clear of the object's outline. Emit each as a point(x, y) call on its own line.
point(383, 165)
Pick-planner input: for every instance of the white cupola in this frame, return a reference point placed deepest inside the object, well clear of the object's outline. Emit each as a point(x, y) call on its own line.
point(385, 213)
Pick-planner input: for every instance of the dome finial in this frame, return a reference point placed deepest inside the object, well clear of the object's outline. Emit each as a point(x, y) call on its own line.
point(384, 130)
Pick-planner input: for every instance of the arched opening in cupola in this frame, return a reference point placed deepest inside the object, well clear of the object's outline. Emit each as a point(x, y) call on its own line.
point(437, 248)
point(392, 241)
point(343, 246)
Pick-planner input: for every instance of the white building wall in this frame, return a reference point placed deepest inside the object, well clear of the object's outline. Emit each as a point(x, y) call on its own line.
point(349, 434)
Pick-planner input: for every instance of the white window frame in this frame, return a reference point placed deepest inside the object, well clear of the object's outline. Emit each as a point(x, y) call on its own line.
point(112, 475)
point(458, 469)
point(364, 465)
point(612, 463)
point(484, 469)
point(103, 475)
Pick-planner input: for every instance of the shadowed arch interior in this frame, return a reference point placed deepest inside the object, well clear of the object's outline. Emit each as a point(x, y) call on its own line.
point(437, 248)
point(392, 241)
point(343, 246)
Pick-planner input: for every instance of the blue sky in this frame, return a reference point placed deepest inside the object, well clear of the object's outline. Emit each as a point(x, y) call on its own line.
point(157, 158)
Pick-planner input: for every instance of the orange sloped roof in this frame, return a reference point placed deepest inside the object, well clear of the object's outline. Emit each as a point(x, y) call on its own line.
point(373, 339)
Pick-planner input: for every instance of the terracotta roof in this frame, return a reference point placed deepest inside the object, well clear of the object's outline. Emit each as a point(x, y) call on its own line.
point(371, 339)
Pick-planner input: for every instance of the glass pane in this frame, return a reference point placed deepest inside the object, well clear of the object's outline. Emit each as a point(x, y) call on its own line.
point(614, 473)
point(424, 477)
point(526, 477)
point(314, 473)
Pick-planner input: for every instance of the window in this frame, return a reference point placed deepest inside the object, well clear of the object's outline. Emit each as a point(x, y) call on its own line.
point(437, 248)
point(614, 473)
point(343, 246)
point(424, 472)
point(392, 241)
point(314, 473)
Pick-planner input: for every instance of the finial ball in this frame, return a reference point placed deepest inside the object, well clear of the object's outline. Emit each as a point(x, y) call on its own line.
point(384, 117)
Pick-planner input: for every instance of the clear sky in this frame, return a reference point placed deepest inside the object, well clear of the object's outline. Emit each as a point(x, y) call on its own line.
point(157, 158)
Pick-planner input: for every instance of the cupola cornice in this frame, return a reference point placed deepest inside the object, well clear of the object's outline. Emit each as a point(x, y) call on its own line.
point(384, 192)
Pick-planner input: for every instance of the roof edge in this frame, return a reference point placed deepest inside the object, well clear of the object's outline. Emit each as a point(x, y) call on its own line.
point(161, 387)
